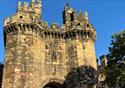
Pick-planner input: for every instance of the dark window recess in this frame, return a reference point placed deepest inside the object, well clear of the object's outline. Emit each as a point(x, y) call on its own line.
point(64, 17)
point(88, 34)
point(47, 47)
point(83, 47)
point(21, 17)
point(78, 24)
point(60, 48)
point(87, 25)
point(69, 26)
point(72, 17)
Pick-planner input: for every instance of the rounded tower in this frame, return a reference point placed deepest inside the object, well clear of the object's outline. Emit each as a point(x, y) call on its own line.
point(80, 36)
point(24, 48)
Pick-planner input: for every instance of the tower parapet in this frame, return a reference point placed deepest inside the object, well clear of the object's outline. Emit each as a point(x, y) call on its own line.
point(73, 20)
point(26, 13)
point(103, 59)
point(73, 24)
point(78, 23)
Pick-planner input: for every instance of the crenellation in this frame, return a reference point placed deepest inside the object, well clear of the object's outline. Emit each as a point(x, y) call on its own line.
point(54, 33)
point(54, 27)
point(26, 13)
point(7, 21)
point(19, 7)
point(86, 16)
point(26, 5)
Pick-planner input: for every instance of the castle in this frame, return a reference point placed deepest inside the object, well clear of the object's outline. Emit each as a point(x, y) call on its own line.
point(38, 56)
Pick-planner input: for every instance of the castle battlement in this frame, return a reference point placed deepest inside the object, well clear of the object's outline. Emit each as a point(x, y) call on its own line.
point(71, 21)
point(74, 24)
point(52, 32)
point(26, 13)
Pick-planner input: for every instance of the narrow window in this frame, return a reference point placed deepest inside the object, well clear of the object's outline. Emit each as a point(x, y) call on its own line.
point(47, 46)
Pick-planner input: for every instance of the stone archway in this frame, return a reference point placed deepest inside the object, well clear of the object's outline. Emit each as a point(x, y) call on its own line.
point(52, 82)
point(53, 85)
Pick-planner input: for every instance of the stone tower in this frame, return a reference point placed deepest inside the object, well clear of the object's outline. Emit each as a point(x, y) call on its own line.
point(38, 56)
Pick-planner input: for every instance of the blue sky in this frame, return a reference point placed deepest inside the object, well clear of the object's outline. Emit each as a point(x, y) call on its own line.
point(107, 16)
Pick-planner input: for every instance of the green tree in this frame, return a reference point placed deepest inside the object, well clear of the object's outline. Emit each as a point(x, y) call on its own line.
point(81, 77)
point(116, 61)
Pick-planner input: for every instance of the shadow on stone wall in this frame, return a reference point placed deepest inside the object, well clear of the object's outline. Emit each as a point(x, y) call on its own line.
point(1, 74)
point(81, 77)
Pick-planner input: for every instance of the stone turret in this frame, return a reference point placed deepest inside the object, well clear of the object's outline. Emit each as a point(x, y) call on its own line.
point(102, 68)
point(68, 14)
point(80, 35)
point(72, 20)
point(26, 13)
point(103, 61)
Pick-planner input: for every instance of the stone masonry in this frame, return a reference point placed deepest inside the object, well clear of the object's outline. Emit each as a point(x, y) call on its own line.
point(36, 55)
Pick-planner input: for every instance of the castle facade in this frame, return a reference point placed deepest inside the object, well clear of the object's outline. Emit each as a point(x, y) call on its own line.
point(38, 56)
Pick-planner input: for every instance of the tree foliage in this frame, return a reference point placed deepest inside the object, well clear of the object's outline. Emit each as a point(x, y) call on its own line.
point(116, 61)
point(81, 77)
